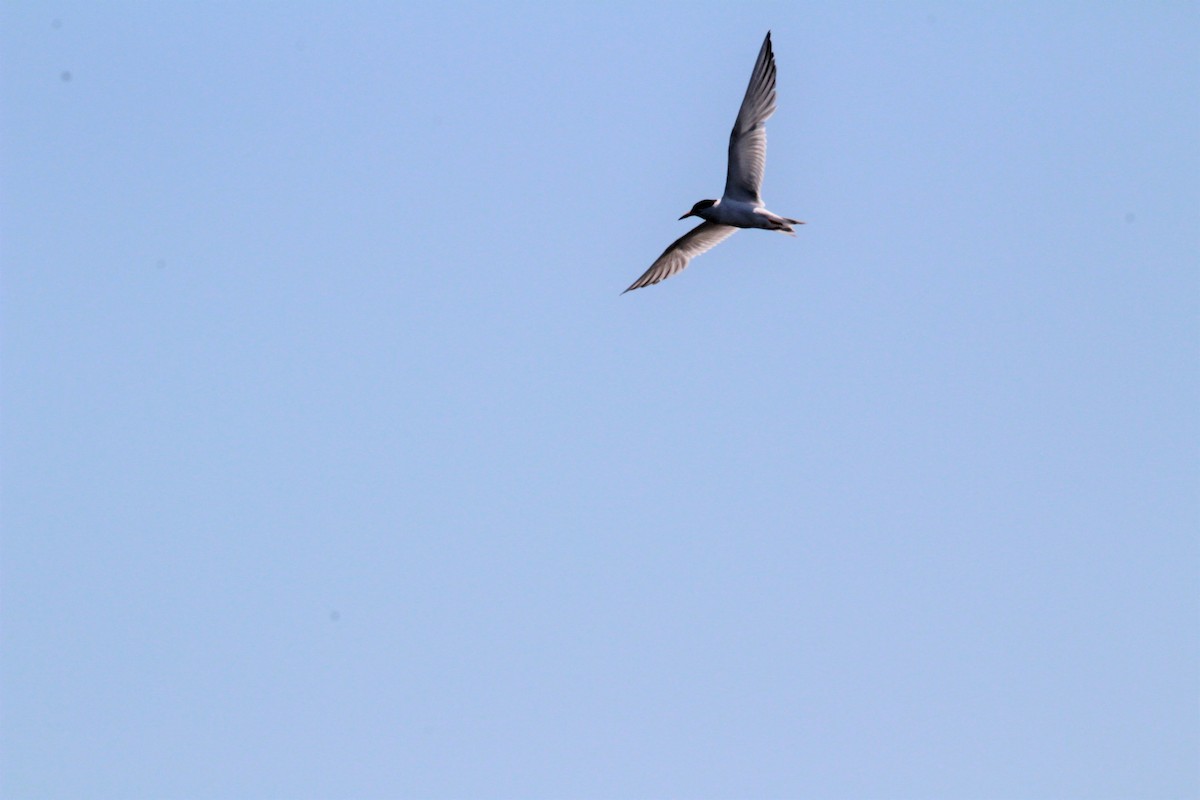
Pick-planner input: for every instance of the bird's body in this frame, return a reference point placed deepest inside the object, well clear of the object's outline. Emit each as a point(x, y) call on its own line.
point(746, 214)
point(741, 206)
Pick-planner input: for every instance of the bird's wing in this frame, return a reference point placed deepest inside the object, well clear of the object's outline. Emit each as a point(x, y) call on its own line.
point(699, 239)
point(748, 142)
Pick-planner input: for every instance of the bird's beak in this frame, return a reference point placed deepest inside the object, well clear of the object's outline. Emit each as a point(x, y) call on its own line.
point(685, 216)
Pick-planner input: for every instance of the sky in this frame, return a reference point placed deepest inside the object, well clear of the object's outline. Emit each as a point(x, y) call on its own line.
point(335, 464)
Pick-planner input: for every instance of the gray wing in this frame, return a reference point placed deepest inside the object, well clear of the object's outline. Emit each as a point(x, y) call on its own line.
point(699, 239)
point(748, 142)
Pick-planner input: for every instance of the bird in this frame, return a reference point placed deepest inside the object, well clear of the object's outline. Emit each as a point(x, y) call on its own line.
point(741, 205)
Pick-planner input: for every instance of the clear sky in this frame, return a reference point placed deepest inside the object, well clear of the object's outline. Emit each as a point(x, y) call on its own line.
point(335, 465)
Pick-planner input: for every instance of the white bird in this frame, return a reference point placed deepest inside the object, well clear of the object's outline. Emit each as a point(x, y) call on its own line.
point(741, 206)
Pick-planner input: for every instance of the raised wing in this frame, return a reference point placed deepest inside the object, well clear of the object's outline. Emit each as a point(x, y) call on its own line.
point(699, 239)
point(748, 142)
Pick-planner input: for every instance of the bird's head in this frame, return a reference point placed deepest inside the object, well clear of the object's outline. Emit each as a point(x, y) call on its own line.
point(702, 205)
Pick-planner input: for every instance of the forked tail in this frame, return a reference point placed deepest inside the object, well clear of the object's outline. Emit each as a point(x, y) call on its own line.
point(786, 223)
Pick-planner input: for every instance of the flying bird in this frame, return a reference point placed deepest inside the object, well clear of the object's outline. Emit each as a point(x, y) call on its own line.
point(741, 206)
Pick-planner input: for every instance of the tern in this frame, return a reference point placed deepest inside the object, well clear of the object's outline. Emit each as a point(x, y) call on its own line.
point(741, 206)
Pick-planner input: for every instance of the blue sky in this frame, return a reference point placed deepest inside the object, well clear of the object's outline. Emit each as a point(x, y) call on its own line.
point(335, 465)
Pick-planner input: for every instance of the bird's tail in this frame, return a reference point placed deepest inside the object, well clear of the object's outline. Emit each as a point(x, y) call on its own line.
point(781, 224)
point(785, 225)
